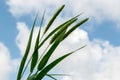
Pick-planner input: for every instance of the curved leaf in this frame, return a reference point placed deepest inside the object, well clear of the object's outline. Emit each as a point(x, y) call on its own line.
point(26, 52)
point(53, 64)
point(75, 27)
point(61, 30)
point(56, 29)
point(35, 53)
point(46, 57)
point(51, 76)
point(53, 18)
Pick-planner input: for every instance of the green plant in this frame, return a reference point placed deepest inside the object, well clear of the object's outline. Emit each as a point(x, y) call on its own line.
point(38, 64)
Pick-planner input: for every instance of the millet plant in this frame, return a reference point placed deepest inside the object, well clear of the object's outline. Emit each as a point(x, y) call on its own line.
point(39, 66)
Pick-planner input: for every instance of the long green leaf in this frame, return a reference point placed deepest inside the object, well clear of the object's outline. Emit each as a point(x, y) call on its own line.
point(49, 67)
point(61, 30)
point(75, 27)
point(26, 53)
point(53, 64)
point(59, 74)
point(56, 29)
point(46, 57)
point(51, 77)
point(53, 18)
point(35, 54)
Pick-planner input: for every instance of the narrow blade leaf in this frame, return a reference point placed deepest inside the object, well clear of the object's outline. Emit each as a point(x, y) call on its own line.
point(35, 54)
point(53, 18)
point(55, 30)
point(46, 57)
point(61, 30)
point(75, 27)
point(26, 53)
point(59, 74)
point(51, 77)
point(53, 64)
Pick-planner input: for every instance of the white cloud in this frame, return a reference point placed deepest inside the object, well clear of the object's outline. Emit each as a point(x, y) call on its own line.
point(18, 7)
point(4, 62)
point(7, 65)
point(98, 61)
point(22, 36)
point(98, 10)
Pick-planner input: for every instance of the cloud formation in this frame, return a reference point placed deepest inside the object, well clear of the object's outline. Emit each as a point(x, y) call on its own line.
point(7, 65)
point(98, 10)
point(99, 60)
point(4, 62)
point(22, 36)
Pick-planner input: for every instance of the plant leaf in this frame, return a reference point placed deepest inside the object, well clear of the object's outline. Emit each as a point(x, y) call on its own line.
point(46, 57)
point(35, 53)
point(53, 18)
point(51, 76)
point(49, 67)
point(75, 27)
point(53, 64)
point(61, 30)
point(26, 53)
point(59, 74)
point(56, 29)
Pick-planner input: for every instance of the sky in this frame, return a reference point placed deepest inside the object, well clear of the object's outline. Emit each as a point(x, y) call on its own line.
point(99, 60)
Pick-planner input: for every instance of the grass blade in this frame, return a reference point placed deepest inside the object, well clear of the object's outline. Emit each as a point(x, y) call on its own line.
point(49, 67)
point(59, 74)
point(61, 30)
point(75, 27)
point(55, 30)
point(46, 57)
point(26, 53)
point(51, 77)
point(53, 18)
point(35, 54)
point(53, 64)
point(42, 20)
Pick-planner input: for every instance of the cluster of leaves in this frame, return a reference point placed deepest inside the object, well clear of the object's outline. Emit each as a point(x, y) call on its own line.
point(38, 64)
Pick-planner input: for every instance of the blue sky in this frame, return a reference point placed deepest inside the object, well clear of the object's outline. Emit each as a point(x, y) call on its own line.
point(101, 33)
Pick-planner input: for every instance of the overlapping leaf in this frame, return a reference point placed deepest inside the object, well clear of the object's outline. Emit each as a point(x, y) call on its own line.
point(57, 36)
point(46, 57)
point(75, 27)
point(61, 30)
point(53, 64)
point(53, 18)
point(35, 53)
point(26, 53)
point(56, 29)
